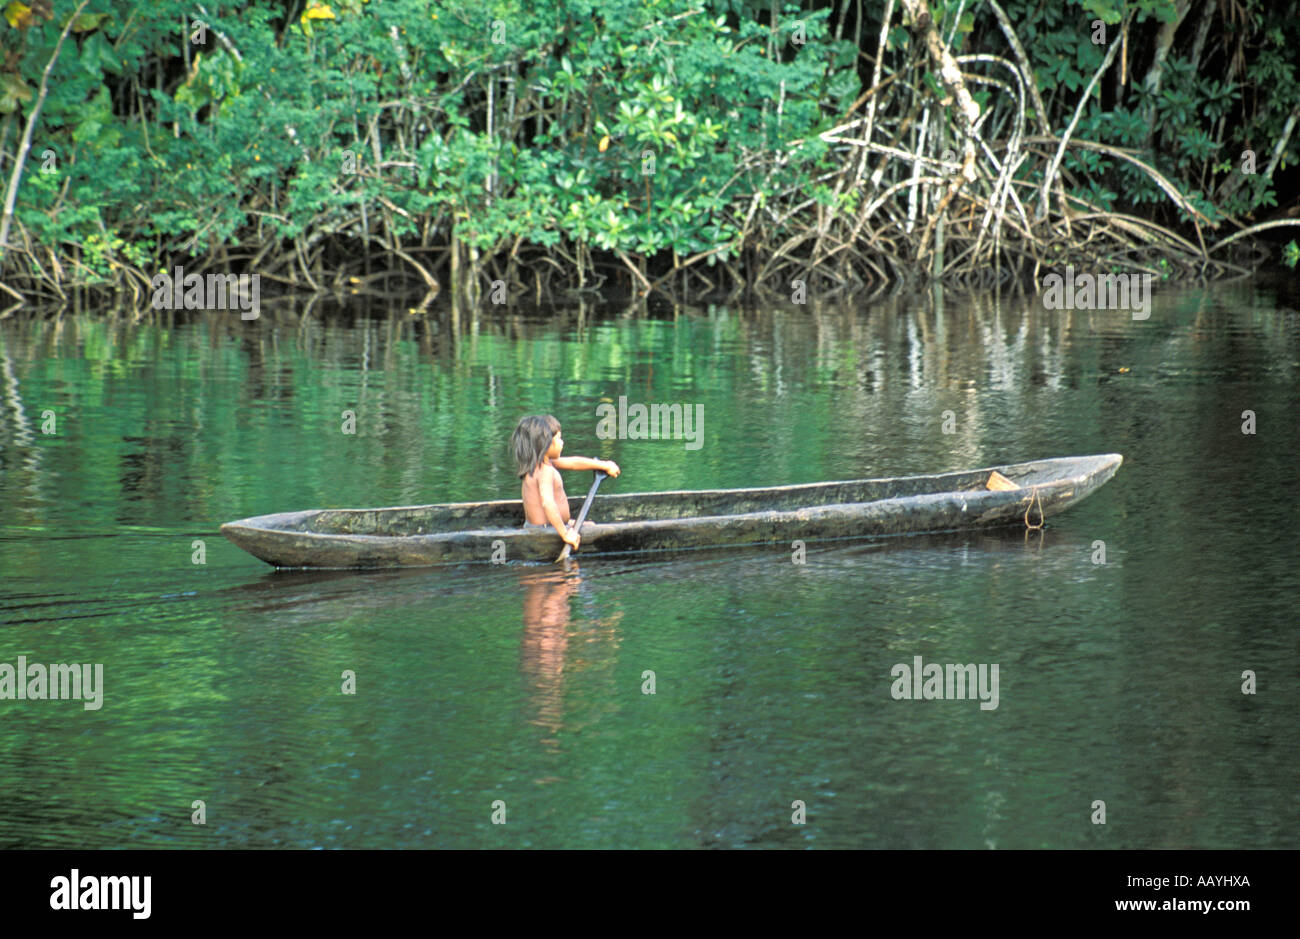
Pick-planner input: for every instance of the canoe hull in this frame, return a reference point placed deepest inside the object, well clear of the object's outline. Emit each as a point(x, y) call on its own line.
point(900, 506)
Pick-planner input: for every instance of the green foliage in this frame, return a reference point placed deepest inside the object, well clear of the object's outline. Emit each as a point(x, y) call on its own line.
point(1186, 128)
point(638, 126)
point(254, 132)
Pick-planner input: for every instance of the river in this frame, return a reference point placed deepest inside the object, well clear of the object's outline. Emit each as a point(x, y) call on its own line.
point(517, 693)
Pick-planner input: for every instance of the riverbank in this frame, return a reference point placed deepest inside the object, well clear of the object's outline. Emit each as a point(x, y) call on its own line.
point(828, 150)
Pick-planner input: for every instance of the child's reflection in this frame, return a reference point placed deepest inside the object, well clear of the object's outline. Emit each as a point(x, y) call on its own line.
point(547, 592)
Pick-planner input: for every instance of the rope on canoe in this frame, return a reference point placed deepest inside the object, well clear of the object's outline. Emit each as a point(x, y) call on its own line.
point(1032, 498)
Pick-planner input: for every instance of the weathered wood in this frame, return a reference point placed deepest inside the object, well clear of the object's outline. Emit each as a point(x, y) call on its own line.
point(427, 535)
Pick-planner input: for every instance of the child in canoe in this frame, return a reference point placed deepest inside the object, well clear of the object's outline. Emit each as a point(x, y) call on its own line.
point(537, 445)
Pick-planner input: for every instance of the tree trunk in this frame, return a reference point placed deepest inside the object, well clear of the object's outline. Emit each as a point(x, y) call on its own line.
point(968, 111)
point(1164, 42)
point(25, 145)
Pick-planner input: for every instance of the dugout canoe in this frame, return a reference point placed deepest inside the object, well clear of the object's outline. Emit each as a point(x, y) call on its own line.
point(427, 535)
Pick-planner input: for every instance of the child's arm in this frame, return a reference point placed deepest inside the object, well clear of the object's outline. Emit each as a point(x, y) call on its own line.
point(585, 463)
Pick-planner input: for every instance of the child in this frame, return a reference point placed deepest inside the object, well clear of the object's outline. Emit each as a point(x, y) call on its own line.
point(537, 445)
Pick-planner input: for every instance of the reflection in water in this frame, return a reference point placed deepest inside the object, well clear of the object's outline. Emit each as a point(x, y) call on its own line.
point(547, 592)
point(553, 648)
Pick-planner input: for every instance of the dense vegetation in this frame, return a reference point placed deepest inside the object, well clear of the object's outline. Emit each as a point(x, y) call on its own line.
point(736, 142)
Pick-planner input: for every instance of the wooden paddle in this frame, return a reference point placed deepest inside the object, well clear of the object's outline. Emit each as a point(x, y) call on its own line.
point(582, 516)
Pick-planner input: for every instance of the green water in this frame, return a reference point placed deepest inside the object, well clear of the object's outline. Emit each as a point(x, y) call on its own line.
point(1119, 682)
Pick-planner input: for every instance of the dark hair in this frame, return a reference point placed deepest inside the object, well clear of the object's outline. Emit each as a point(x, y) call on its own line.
point(530, 441)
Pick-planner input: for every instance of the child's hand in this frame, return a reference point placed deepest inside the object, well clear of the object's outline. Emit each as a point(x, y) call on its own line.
point(571, 538)
point(611, 468)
